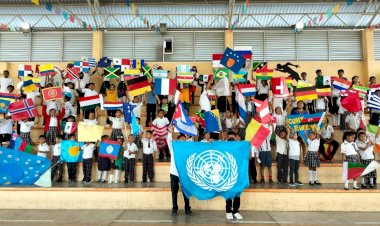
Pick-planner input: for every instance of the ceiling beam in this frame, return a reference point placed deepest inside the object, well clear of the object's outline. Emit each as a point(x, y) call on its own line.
point(374, 16)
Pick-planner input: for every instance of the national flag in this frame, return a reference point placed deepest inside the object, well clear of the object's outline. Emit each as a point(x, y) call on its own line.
point(374, 87)
point(212, 96)
point(374, 165)
point(289, 82)
point(24, 70)
point(122, 64)
point(221, 73)
point(22, 109)
point(17, 144)
point(164, 86)
point(10, 97)
point(205, 78)
point(131, 73)
point(222, 87)
point(52, 93)
point(107, 105)
point(138, 86)
point(323, 82)
point(160, 73)
point(352, 170)
point(186, 78)
point(212, 120)
point(201, 119)
point(91, 62)
point(262, 107)
point(83, 66)
point(341, 84)
point(138, 63)
point(135, 127)
point(311, 119)
point(352, 102)
point(306, 93)
point(4, 106)
point(127, 110)
point(294, 122)
point(72, 73)
point(57, 69)
point(89, 103)
point(247, 89)
point(36, 2)
point(204, 102)
point(109, 72)
point(147, 71)
point(21, 167)
point(36, 81)
point(232, 60)
point(302, 84)
point(216, 60)
point(109, 149)
point(259, 65)
point(362, 90)
point(183, 68)
point(279, 88)
point(70, 151)
point(347, 92)
point(372, 129)
point(28, 86)
point(264, 74)
point(256, 133)
point(85, 136)
point(373, 101)
point(70, 128)
point(240, 77)
point(207, 170)
point(323, 92)
point(104, 62)
point(159, 135)
point(37, 69)
point(47, 69)
point(182, 121)
point(245, 51)
point(240, 99)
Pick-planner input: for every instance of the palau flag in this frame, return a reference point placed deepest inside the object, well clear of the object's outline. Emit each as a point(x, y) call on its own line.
point(232, 60)
point(207, 170)
point(109, 149)
point(20, 167)
point(70, 151)
point(212, 119)
point(4, 106)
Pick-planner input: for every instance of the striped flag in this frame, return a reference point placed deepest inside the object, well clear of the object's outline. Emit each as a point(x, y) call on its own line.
point(259, 65)
point(185, 77)
point(373, 101)
point(112, 105)
point(47, 69)
point(289, 81)
point(264, 74)
point(138, 86)
point(160, 73)
point(239, 77)
point(256, 133)
point(312, 118)
point(323, 92)
point(240, 99)
point(183, 69)
point(91, 62)
point(138, 63)
point(10, 97)
point(374, 87)
point(216, 60)
point(164, 86)
point(340, 84)
point(262, 107)
point(159, 135)
point(131, 73)
point(245, 51)
point(24, 70)
point(72, 73)
point(306, 93)
point(28, 86)
point(362, 90)
point(247, 90)
point(89, 103)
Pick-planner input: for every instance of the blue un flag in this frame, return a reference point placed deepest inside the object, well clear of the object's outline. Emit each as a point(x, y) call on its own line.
point(207, 170)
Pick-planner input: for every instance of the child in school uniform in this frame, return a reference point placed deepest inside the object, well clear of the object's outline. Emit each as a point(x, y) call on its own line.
point(207, 138)
point(295, 153)
point(228, 122)
point(6, 128)
point(67, 133)
point(349, 151)
point(72, 166)
point(43, 148)
point(117, 123)
point(130, 149)
point(162, 121)
point(92, 119)
point(312, 159)
point(280, 116)
point(321, 104)
point(52, 125)
point(116, 165)
point(265, 157)
point(252, 172)
point(104, 164)
point(365, 148)
point(57, 169)
point(88, 152)
point(149, 147)
point(25, 127)
point(282, 157)
point(353, 122)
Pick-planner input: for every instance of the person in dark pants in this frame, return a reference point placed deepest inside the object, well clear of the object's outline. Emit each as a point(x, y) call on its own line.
point(151, 102)
point(282, 157)
point(252, 172)
point(149, 146)
point(72, 166)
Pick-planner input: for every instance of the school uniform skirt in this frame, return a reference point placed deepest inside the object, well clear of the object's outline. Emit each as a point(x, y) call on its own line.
point(51, 134)
point(116, 133)
point(26, 137)
point(312, 159)
point(367, 162)
point(104, 164)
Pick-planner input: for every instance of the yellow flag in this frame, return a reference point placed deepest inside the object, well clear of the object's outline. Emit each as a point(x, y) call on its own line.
point(336, 9)
point(36, 2)
point(85, 136)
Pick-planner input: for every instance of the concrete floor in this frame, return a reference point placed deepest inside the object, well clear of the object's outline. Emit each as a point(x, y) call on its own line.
point(140, 217)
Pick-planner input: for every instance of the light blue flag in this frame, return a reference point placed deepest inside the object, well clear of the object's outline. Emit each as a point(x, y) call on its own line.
point(207, 170)
point(135, 128)
point(306, 122)
point(70, 151)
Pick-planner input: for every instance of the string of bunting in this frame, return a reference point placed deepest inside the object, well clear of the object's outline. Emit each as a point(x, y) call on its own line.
point(244, 11)
point(136, 11)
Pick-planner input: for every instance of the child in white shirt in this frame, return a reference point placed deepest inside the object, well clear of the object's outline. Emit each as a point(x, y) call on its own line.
point(55, 161)
point(117, 123)
point(228, 122)
point(294, 158)
point(43, 147)
point(282, 157)
point(352, 122)
point(92, 119)
point(160, 122)
point(365, 148)
point(149, 147)
point(312, 159)
point(130, 149)
point(88, 152)
point(350, 154)
point(25, 127)
point(321, 104)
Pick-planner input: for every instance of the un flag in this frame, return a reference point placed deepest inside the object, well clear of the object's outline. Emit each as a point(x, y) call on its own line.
point(207, 170)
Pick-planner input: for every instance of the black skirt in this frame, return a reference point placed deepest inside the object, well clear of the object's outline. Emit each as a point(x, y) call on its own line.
point(104, 164)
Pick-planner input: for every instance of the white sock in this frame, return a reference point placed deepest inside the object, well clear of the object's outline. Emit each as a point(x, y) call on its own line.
point(310, 175)
point(111, 179)
point(104, 175)
point(117, 172)
point(355, 184)
point(371, 180)
point(363, 180)
point(99, 174)
point(315, 175)
point(346, 184)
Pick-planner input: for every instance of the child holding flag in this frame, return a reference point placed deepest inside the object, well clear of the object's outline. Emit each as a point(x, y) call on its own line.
point(43, 148)
point(104, 164)
point(117, 164)
point(295, 153)
point(365, 148)
point(349, 151)
point(52, 125)
point(25, 127)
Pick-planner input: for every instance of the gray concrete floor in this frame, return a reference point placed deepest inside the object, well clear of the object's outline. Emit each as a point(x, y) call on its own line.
point(146, 217)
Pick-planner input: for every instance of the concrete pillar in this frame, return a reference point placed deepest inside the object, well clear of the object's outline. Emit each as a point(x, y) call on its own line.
point(229, 39)
point(368, 55)
point(97, 44)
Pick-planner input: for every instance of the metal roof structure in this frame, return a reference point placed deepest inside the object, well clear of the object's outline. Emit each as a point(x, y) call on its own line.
point(190, 14)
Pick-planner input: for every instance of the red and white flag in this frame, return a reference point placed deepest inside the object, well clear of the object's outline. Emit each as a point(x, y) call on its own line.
point(262, 107)
point(279, 87)
point(72, 73)
point(22, 109)
point(159, 135)
point(70, 127)
point(216, 60)
point(52, 93)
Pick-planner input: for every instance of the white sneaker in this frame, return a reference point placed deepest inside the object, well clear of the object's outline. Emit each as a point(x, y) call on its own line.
point(229, 216)
point(116, 182)
point(238, 216)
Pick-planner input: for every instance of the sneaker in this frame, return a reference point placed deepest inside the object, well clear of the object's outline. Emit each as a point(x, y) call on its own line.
point(346, 188)
point(104, 181)
point(189, 212)
point(270, 181)
point(311, 182)
point(229, 216)
point(279, 181)
point(356, 188)
point(372, 186)
point(298, 182)
point(87, 182)
point(364, 186)
point(125, 182)
point(174, 213)
point(317, 182)
point(262, 181)
point(292, 184)
point(238, 216)
point(99, 181)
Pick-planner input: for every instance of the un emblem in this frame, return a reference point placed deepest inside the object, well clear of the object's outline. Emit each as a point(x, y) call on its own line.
point(212, 170)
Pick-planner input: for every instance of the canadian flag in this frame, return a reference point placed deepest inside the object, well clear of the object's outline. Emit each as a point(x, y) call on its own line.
point(279, 87)
point(262, 107)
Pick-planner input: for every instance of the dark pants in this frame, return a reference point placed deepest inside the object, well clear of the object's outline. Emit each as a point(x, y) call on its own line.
point(164, 151)
point(252, 173)
point(374, 119)
point(150, 113)
point(234, 103)
point(310, 107)
point(282, 167)
point(129, 169)
point(57, 167)
point(72, 170)
point(294, 167)
point(147, 167)
point(87, 169)
point(235, 204)
point(174, 184)
point(322, 150)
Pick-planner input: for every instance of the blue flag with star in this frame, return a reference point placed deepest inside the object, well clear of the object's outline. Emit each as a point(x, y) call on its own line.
point(127, 109)
point(20, 167)
point(232, 60)
point(207, 170)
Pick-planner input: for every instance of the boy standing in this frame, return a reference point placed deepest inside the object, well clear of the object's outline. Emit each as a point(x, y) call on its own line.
point(43, 147)
point(130, 148)
point(149, 146)
point(158, 124)
point(55, 161)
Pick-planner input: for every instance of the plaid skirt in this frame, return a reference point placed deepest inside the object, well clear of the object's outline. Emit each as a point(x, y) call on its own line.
point(312, 159)
point(352, 158)
point(26, 137)
point(138, 142)
point(116, 133)
point(367, 162)
point(51, 134)
point(343, 120)
point(278, 130)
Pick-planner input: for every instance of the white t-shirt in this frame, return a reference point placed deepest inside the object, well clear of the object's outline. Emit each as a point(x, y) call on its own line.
point(43, 148)
point(161, 122)
point(367, 153)
point(88, 150)
point(280, 119)
point(281, 146)
point(57, 149)
point(353, 121)
point(6, 126)
point(229, 123)
point(262, 89)
point(53, 122)
point(117, 123)
point(89, 92)
point(321, 104)
point(294, 149)
point(313, 145)
point(326, 132)
point(90, 121)
point(4, 83)
point(149, 146)
point(25, 126)
point(130, 148)
point(348, 148)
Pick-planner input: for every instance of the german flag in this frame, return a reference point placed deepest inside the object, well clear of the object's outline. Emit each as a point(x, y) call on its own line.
point(306, 93)
point(324, 92)
point(138, 86)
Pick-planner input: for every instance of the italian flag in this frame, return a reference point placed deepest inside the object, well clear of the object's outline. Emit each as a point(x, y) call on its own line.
point(89, 103)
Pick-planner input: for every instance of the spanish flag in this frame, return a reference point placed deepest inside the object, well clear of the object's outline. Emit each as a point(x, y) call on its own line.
point(138, 86)
point(324, 92)
point(256, 133)
point(306, 93)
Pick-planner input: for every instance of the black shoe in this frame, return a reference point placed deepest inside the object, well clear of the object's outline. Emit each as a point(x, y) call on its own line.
point(280, 181)
point(99, 181)
point(255, 182)
point(103, 181)
point(270, 181)
point(144, 181)
point(151, 181)
point(346, 188)
point(174, 213)
point(189, 212)
point(311, 182)
point(60, 180)
point(262, 181)
point(298, 182)
point(317, 182)
point(284, 182)
point(356, 188)
point(372, 186)
point(364, 186)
